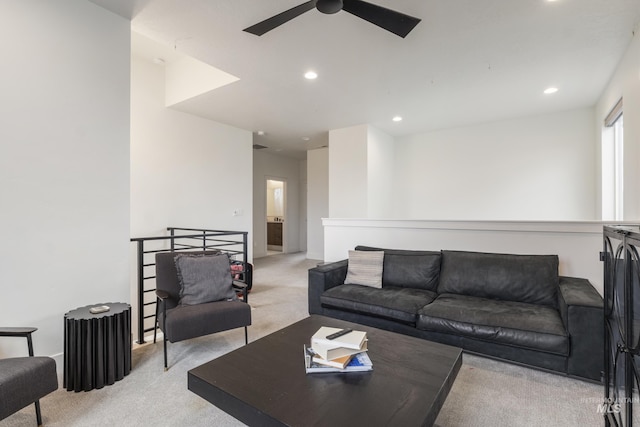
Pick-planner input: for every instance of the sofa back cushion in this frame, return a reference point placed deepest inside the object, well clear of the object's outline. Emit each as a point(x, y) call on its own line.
point(524, 278)
point(409, 269)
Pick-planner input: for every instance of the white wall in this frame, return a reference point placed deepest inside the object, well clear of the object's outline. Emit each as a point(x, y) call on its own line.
point(348, 165)
point(186, 171)
point(64, 164)
point(363, 157)
point(317, 200)
point(269, 166)
point(380, 173)
point(534, 168)
point(625, 83)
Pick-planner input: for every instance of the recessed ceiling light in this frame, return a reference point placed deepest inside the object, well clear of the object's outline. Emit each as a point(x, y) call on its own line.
point(310, 75)
point(397, 119)
point(158, 61)
point(305, 138)
point(550, 90)
point(261, 132)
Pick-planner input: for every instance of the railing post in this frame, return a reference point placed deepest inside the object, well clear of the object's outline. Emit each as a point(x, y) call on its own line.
point(141, 292)
point(172, 240)
point(244, 248)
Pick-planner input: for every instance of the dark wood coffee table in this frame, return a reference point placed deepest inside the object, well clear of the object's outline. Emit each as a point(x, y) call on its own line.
point(264, 383)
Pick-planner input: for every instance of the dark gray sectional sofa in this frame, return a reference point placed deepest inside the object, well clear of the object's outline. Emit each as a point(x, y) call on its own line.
point(512, 307)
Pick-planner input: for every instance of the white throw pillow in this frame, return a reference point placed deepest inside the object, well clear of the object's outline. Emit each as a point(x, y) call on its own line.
point(365, 268)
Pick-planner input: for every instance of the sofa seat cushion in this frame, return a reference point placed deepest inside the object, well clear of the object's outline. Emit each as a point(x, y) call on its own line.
point(535, 327)
point(396, 303)
point(25, 380)
point(190, 321)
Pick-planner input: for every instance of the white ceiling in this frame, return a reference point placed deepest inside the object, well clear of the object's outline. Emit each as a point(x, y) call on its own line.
point(468, 61)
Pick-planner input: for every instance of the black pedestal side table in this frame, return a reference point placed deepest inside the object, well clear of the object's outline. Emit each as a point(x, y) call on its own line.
point(97, 347)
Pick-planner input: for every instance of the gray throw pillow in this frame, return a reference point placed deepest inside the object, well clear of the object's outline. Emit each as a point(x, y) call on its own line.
point(204, 279)
point(365, 268)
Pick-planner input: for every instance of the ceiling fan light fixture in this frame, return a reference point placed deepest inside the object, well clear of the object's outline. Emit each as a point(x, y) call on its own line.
point(398, 23)
point(329, 6)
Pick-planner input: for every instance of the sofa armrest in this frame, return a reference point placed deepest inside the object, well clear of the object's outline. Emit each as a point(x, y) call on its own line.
point(324, 277)
point(582, 311)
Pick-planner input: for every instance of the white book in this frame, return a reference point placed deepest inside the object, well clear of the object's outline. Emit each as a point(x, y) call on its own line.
point(332, 353)
point(353, 340)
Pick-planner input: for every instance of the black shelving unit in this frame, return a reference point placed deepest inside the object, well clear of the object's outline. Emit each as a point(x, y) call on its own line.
point(622, 324)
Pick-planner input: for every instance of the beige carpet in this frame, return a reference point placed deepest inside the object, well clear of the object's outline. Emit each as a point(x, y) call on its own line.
point(485, 393)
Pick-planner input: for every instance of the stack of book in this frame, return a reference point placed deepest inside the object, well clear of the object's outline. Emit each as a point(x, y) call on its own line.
point(337, 350)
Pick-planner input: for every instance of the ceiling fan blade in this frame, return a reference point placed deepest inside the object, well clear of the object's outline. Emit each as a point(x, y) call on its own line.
point(275, 21)
point(396, 22)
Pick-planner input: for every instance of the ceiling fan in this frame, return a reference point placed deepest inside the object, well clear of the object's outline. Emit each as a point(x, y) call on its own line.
point(395, 22)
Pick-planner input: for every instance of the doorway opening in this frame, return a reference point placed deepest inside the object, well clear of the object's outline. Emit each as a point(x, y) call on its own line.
point(276, 218)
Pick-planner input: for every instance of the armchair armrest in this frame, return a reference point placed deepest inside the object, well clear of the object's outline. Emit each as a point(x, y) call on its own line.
point(325, 277)
point(166, 301)
point(20, 332)
point(16, 332)
point(162, 294)
point(582, 311)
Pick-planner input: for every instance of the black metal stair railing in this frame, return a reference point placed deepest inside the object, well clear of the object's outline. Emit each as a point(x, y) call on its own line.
point(233, 243)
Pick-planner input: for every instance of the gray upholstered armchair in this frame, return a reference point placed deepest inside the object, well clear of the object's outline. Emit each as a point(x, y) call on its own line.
point(25, 380)
point(197, 296)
